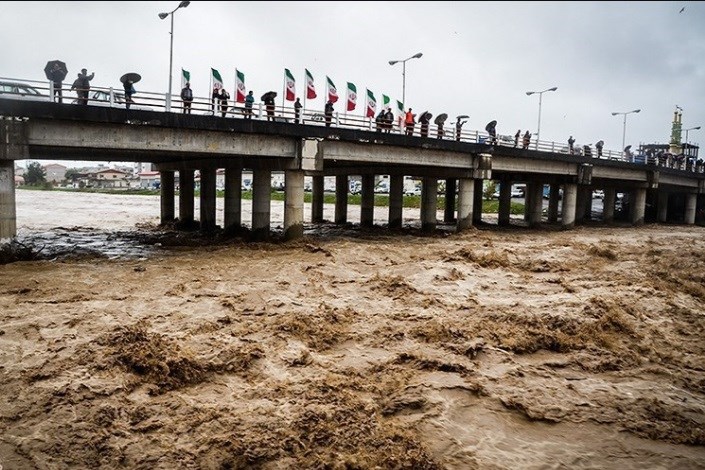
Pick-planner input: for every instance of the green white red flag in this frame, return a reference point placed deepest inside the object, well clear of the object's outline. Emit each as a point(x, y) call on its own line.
point(332, 91)
point(352, 96)
point(217, 80)
point(240, 86)
point(185, 77)
point(385, 101)
point(310, 90)
point(371, 104)
point(290, 85)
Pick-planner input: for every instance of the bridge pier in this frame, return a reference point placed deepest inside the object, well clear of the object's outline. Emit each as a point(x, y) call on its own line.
point(317, 198)
point(638, 206)
point(608, 205)
point(8, 211)
point(261, 203)
point(477, 201)
point(166, 190)
point(505, 203)
point(367, 201)
point(570, 192)
point(341, 199)
point(662, 207)
point(535, 191)
point(232, 203)
point(293, 204)
point(186, 202)
point(581, 203)
point(396, 200)
point(553, 199)
point(691, 200)
point(429, 204)
point(449, 211)
point(466, 201)
point(208, 196)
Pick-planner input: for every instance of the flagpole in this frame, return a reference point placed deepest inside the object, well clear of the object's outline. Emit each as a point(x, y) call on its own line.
point(284, 92)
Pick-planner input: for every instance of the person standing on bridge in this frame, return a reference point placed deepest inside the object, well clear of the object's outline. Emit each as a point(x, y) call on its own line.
point(571, 142)
point(526, 140)
point(224, 97)
point(328, 111)
point(129, 90)
point(458, 128)
point(187, 98)
point(82, 85)
point(516, 138)
point(215, 97)
point(249, 102)
point(388, 120)
point(297, 110)
point(598, 147)
point(410, 122)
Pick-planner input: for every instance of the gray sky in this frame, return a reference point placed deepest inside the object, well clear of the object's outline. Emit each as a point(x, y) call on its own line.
point(479, 58)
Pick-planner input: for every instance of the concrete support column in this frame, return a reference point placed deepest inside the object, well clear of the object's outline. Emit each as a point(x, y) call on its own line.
point(477, 203)
point(317, 194)
point(186, 198)
point(261, 203)
point(466, 200)
point(341, 199)
point(166, 186)
point(691, 200)
point(232, 204)
point(429, 204)
point(396, 200)
point(570, 194)
point(588, 203)
point(207, 199)
point(608, 205)
point(638, 206)
point(553, 199)
point(528, 201)
point(505, 203)
point(581, 202)
point(449, 211)
point(367, 201)
point(293, 204)
point(662, 206)
point(8, 211)
point(536, 205)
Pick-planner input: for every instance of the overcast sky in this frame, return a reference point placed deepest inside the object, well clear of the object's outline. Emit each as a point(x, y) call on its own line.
point(479, 58)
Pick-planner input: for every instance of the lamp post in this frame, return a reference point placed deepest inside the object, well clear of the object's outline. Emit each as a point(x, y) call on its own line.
point(171, 47)
point(540, 93)
point(624, 128)
point(690, 129)
point(403, 74)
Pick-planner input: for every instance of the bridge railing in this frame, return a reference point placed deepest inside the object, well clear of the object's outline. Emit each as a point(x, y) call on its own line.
point(145, 100)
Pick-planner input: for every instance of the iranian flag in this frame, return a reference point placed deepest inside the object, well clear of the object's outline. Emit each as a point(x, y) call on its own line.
point(310, 90)
point(332, 91)
point(385, 101)
point(239, 86)
point(290, 85)
point(400, 110)
point(352, 96)
point(217, 80)
point(185, 77)
point(371, 104)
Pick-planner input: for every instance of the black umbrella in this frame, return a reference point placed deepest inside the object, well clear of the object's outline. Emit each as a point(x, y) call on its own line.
point(441, 119)
point(425, 117)
point(627, 148)
point(270, 95)
point(490, 126)
point(56, 70)
point(132, 77)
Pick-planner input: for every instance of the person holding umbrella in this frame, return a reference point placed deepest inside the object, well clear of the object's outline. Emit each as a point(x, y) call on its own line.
point(55, 71)
point(129, 90)
point(224, 97)
point(328, 111)
point(268, 99)
point(598, 147)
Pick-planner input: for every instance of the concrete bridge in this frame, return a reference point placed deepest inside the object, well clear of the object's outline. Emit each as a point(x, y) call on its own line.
point(184, 143)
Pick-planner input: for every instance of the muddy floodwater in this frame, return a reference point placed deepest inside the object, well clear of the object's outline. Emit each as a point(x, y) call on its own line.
point(493, 348)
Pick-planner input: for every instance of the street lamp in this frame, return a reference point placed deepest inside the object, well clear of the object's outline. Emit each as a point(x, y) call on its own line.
point(171, 47)
point(624, 128)
point(690, 129)
point(538, 129)
point(403, 74)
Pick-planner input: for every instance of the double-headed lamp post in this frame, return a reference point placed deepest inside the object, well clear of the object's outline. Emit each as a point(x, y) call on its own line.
point(624, 127)
point(171, 47)
point(403, 74)
point(538, 127)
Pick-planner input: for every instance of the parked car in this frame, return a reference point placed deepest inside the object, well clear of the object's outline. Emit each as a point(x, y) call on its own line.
point(598, 194)
point(20, 91)
point(517, 192)
point(102, 98)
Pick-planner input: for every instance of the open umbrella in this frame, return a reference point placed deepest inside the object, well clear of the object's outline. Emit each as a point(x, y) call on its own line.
point(56, 70)
point(270, 95)
point(425, 117)
point(490, 126)
point(440, 119)
point(132, 77)
point(627, 148)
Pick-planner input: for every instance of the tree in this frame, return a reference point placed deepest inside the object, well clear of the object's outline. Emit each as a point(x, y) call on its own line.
point(35, 174)
point(72, 174)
